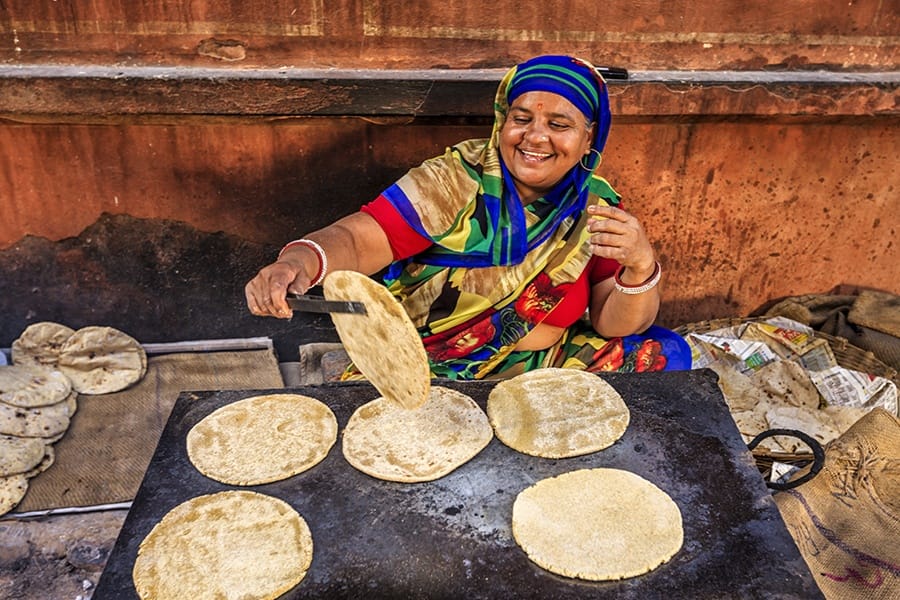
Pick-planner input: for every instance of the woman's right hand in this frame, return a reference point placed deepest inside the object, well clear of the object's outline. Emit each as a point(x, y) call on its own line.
point(356, 242)
point(267, 292)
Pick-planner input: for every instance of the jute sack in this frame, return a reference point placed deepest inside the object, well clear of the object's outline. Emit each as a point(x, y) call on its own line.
point(846, 520)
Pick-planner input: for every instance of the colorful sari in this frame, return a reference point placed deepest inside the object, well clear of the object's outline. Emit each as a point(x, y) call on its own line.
point(497, 268)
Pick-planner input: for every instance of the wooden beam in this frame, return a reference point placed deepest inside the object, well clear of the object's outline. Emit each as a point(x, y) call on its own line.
point(29, 92)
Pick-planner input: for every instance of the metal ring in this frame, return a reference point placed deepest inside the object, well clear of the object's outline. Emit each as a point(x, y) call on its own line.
point(815, 446)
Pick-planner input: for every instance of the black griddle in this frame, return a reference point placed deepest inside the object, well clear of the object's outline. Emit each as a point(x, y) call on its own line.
point(452, 538)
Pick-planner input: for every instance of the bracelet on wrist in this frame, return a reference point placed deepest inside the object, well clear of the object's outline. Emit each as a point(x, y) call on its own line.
point(647, 285)
point(320, 254)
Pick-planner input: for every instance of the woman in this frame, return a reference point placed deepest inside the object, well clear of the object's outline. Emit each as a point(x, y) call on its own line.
point(498, 247)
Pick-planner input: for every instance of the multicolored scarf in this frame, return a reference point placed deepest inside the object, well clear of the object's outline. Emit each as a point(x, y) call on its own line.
point(465, 200)
point(497, 268)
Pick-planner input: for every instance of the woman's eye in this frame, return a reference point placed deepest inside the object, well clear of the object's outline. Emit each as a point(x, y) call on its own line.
point(521, 120)
point(559, 126)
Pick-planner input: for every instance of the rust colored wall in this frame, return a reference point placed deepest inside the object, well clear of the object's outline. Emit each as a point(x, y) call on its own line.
point(637, 34)
point(739, 212)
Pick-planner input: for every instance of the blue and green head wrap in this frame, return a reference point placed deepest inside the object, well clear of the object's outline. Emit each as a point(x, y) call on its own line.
point(574, 79)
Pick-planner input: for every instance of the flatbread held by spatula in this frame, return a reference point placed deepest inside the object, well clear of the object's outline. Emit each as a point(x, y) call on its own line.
point(383, 343)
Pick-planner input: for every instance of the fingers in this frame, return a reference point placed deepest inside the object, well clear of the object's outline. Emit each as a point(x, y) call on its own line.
point(618, 235)
point(609, 212)
point(266, 293)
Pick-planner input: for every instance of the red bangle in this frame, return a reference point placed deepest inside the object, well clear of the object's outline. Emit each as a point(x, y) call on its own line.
point(641, 287)
point(320, 254)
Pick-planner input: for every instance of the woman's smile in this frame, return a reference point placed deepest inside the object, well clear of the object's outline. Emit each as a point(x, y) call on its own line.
point(534, 156)
point(543, 137)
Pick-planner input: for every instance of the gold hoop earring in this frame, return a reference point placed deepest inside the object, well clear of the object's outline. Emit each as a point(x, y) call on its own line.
point(589, 155)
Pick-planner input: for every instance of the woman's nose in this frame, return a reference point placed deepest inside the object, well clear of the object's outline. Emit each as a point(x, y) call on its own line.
point(536, 132)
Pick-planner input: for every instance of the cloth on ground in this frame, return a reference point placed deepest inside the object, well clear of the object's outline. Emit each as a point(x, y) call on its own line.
point(846, 520)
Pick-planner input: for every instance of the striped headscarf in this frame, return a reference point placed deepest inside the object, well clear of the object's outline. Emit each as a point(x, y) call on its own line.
point(573, 79)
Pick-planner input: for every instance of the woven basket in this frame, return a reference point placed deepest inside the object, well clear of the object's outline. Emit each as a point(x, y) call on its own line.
point(846, 354)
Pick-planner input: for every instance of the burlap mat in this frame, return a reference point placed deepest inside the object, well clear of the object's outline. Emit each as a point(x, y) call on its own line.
point(846, 520)
point(112, 437)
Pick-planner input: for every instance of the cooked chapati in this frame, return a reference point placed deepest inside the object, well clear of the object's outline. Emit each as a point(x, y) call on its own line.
point(597, 524)
point(393, 443)
point(102, 360)
point(41, 422)
point(31, 386)
point(383, 343)
point(46, 462)
point(12, 490)
point(557, 413)
point(40, 343)
point(19, 454)
point(262, 439)
point(232, 544)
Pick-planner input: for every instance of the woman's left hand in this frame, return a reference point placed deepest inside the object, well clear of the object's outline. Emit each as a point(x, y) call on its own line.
point(618, 235)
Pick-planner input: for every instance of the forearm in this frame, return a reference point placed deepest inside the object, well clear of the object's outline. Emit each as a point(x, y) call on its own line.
point(615, 314)
point(354, 243)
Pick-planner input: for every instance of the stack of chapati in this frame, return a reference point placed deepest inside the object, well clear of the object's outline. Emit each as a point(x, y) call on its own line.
point(36, 406)
point(52, 365)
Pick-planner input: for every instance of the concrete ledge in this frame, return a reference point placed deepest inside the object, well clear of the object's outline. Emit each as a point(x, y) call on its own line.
point(30, 92)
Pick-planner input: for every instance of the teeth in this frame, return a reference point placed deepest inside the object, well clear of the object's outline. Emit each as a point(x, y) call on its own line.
point(534, 154)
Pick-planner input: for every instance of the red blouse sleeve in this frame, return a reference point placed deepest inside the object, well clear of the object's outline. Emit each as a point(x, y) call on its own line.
point(405, 241)
point(601, 268)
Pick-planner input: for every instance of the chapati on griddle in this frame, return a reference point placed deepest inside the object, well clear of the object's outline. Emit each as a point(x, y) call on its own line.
point(383, 343)
point(262, 439)
point(231, 544)
point(597, 524)
point(392, 443)
point(557, 413)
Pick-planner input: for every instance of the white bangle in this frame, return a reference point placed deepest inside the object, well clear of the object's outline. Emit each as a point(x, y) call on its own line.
point(320, 253)
point(638, 289)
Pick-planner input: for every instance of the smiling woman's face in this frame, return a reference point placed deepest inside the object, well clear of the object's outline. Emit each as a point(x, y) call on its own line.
point(544, 136)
